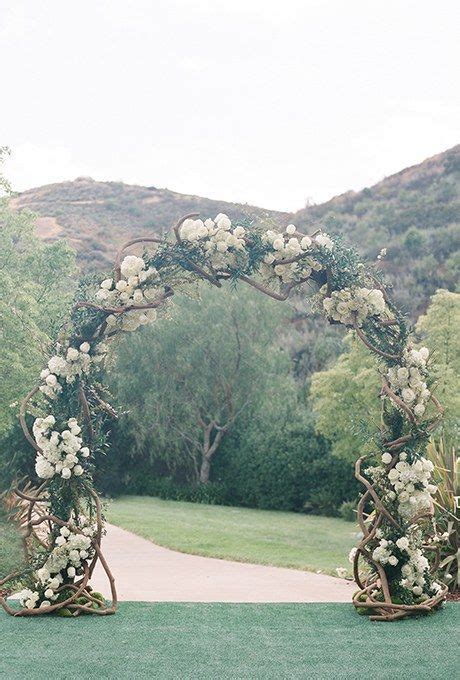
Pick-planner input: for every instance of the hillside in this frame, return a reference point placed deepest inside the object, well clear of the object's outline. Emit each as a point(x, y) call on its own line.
point(415, 214)
point(97, 217)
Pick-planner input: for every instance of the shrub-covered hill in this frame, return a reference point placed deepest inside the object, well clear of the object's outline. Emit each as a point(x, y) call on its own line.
point(415, 214)
point(97, 217)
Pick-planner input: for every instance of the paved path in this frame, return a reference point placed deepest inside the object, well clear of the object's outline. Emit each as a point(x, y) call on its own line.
point(146, 572)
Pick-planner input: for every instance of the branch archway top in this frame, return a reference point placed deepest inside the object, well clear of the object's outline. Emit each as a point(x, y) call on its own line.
point(61, 512)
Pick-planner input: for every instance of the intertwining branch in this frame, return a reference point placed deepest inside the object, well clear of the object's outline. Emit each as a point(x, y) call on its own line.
point(61, 516)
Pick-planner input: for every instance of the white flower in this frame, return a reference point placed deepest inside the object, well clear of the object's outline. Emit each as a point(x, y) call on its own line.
point(84, 452)
point(51, 380)
point(351, 555)
point(71, 572)
point(278, 244)
point(107, 284)
point(325, 241)
point(306, 242)
point(78, 470)
point(132, 266)
point(66, 472)
point(291, 229)
point(341, 572)
point(387, 458)
point(402, 543)
point(85, 347)
point(393, 560)
point(408, 395)
point(72, 354)
point(49, 593)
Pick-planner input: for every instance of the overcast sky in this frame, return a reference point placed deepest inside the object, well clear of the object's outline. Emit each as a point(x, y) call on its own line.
point(270, 103)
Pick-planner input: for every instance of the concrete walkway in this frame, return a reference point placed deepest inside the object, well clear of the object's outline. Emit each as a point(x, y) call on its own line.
point(146, 572)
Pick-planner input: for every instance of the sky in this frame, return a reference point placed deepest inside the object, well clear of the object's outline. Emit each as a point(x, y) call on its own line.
point(276, 104)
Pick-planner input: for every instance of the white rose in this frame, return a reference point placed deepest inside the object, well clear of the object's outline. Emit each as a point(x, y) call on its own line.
point(386, 458)
point(71, 572)
point(66, 473)
point(78, 470)
point(85, 347)
point(306, 242)
point(121, 285)
point(408, 395)
point(419, 410)
point(107, 284)
point(72, 354)
point(291, 229)
point(278, 244)
point(402, 543)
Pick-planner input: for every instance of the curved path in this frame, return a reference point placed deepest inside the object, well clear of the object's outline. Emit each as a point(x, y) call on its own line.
point(146, 572)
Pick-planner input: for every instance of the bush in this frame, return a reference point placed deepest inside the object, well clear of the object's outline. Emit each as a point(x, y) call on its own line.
point(347, 511)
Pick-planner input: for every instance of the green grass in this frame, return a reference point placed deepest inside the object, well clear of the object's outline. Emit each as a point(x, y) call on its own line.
point(230, 642)
point(283, 539)
point(11, 555)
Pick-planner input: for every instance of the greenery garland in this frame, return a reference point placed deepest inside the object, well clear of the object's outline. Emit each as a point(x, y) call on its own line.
point(62, 514)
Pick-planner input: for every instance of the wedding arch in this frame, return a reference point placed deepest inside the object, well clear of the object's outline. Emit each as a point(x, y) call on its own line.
point(61, 513)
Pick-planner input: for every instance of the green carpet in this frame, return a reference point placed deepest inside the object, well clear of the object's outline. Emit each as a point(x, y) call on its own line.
point(230, 641)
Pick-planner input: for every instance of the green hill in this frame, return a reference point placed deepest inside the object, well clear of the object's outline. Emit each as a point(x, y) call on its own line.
point(415, 214)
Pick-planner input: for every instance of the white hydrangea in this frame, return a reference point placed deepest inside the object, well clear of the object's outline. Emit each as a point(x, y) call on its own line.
point(59, 451)
point(354, 304)
point(408, 380)
point(65, 561)
point(286, 246)
point(138, 287)
point(224, 247)
point(66, 366)
point(412, 487)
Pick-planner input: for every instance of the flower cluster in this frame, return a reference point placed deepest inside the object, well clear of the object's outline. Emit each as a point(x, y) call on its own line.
point(59, 451)
point(65, 561)
point(411, 486)
point(408, 381)
point(288, 246)
point(351, 305)
point(223, 246)
point(135, 288)
point(65, 366)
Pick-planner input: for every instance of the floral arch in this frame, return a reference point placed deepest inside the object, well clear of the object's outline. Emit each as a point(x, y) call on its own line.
point(61, 513)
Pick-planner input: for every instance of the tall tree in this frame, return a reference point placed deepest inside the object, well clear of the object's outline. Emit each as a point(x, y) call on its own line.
point(188, 379)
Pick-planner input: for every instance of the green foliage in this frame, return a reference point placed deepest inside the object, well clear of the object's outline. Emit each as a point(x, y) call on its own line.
point(345, 401)
point(212, 359)
point(439, 330)
point(344, 397)
point(36, 288)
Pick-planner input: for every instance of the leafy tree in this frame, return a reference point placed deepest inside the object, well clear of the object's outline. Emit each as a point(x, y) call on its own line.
point(344, 401)
point(36, 289)
point(343, 397)
point(439, 330)
point(187, 381)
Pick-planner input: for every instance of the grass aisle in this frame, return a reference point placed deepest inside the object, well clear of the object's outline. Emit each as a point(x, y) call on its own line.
point(281, 539)
point(208, 641)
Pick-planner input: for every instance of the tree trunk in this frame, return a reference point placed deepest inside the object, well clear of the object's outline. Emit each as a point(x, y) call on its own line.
point(205, 470)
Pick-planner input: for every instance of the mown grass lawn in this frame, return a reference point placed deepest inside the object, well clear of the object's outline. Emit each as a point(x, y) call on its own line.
point(283, 539)
point(231, 642)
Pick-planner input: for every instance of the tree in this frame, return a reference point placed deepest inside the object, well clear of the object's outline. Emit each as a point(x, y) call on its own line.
point(343, 397)
point(36, 287)
point(344, 401)
point(439, 330)
point(190, 378)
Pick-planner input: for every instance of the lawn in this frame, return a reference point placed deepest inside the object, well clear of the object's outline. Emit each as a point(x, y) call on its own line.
point(232, 642)
point(283, 539)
